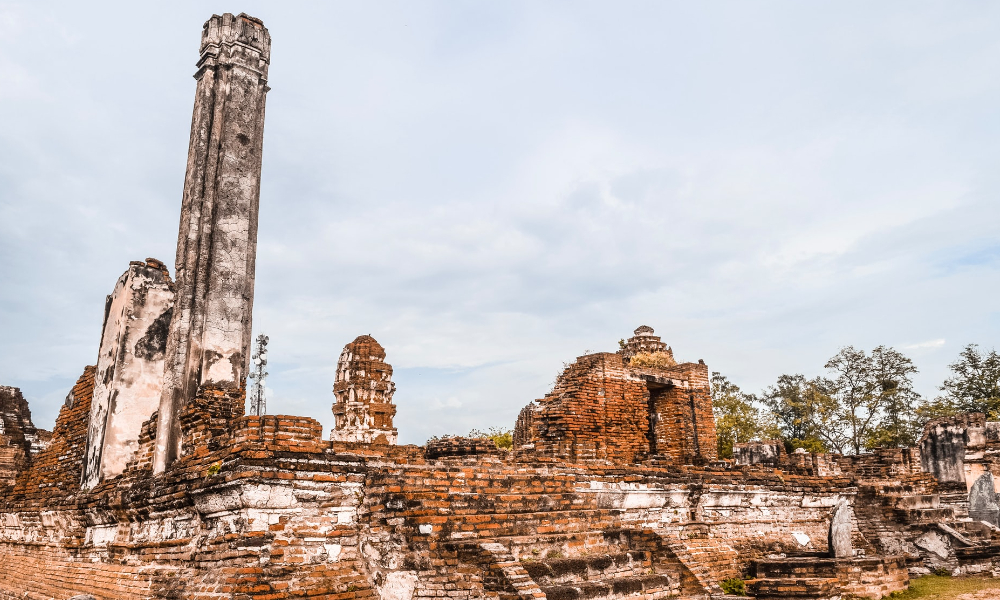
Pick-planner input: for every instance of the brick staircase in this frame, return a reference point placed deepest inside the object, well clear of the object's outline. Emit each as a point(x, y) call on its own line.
point(811, 578)
point(709, 560)
point(506, 576)
point(611, 576)
point(920, 508)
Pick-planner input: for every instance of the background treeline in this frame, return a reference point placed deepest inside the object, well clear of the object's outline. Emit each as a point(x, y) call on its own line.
point(865, 401)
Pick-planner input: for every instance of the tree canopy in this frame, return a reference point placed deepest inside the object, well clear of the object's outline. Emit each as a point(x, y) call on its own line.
point(866, 401)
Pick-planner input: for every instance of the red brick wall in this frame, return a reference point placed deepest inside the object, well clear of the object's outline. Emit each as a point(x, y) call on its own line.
point(56, 471)
point(600, 409)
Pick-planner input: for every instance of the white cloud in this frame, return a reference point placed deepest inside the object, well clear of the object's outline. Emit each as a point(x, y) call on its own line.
point(491, 190)
point(924, 345)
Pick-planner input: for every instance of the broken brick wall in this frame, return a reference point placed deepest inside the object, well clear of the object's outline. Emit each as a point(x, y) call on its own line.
point(55, 472)
point(602, 409)
point(17, 435)
point(264, 508)
point(595, 411)
point(684, 424)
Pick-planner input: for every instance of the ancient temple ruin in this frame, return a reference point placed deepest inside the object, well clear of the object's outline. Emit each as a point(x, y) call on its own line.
point(363, 407)
point(610, 406)
point(155, 484)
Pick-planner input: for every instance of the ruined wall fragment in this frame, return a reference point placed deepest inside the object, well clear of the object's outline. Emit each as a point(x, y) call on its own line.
point(19, 439)
point(363, 392)
point(942, 446)
point(758, 452)
point(129, 376)
point(613, 407)
point(55, 473)
point(209, 340)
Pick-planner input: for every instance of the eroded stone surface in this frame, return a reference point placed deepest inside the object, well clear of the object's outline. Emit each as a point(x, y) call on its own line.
point(129, 377)
point(840, 531)
point(984, 503)
point(209, 339)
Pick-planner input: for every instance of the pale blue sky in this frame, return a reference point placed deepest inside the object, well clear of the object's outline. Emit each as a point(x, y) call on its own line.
point(491, 189)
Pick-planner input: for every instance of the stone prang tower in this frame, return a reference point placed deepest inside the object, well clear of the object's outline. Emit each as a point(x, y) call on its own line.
point(209, 338)
point(363, 407)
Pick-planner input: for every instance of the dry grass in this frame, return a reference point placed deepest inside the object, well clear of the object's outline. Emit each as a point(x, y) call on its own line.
point(656, 360)
point(935, 587)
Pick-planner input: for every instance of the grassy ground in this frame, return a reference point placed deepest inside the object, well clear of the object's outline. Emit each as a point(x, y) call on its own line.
point(934, 587)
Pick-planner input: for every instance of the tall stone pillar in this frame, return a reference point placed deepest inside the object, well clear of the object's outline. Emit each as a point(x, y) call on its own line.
point(209, 340)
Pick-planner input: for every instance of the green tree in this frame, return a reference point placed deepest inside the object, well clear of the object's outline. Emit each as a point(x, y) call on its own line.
point(803, 413)
point(892, 382)
point(876, 404)
point(975, 383)
point(936, 408)
point(737, 417)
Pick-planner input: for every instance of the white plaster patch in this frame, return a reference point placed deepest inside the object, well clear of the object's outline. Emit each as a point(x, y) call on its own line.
point(345, 516)
point(259, 496)
point(426, 529)
point(801, 538)
point(332, 552)
point(632, 495)
point(463, 535)
point(221, 370)
point(102, 535)
point(820, 501)
point(398, 585)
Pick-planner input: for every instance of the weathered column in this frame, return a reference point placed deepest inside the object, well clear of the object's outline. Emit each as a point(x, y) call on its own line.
point(216, 248)
point(129, 376)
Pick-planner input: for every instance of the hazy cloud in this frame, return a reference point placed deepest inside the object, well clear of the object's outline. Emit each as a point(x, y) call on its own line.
point(491, 189)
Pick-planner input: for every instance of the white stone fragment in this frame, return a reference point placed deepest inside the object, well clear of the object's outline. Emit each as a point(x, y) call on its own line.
point(332, 552)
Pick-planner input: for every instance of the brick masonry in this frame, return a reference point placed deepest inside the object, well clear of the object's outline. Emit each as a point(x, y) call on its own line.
point(603, 408)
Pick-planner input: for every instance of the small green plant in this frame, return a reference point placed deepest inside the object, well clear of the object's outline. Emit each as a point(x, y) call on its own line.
point(503, 438)
point(214, 469)
point(554, 554)
point(942, 572)
point(352, 588)
point(734, 587)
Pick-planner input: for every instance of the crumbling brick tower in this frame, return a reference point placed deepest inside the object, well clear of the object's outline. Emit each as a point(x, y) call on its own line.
point(624, 407)
point(19, 439)
point(209, 339)
point(363, 407)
